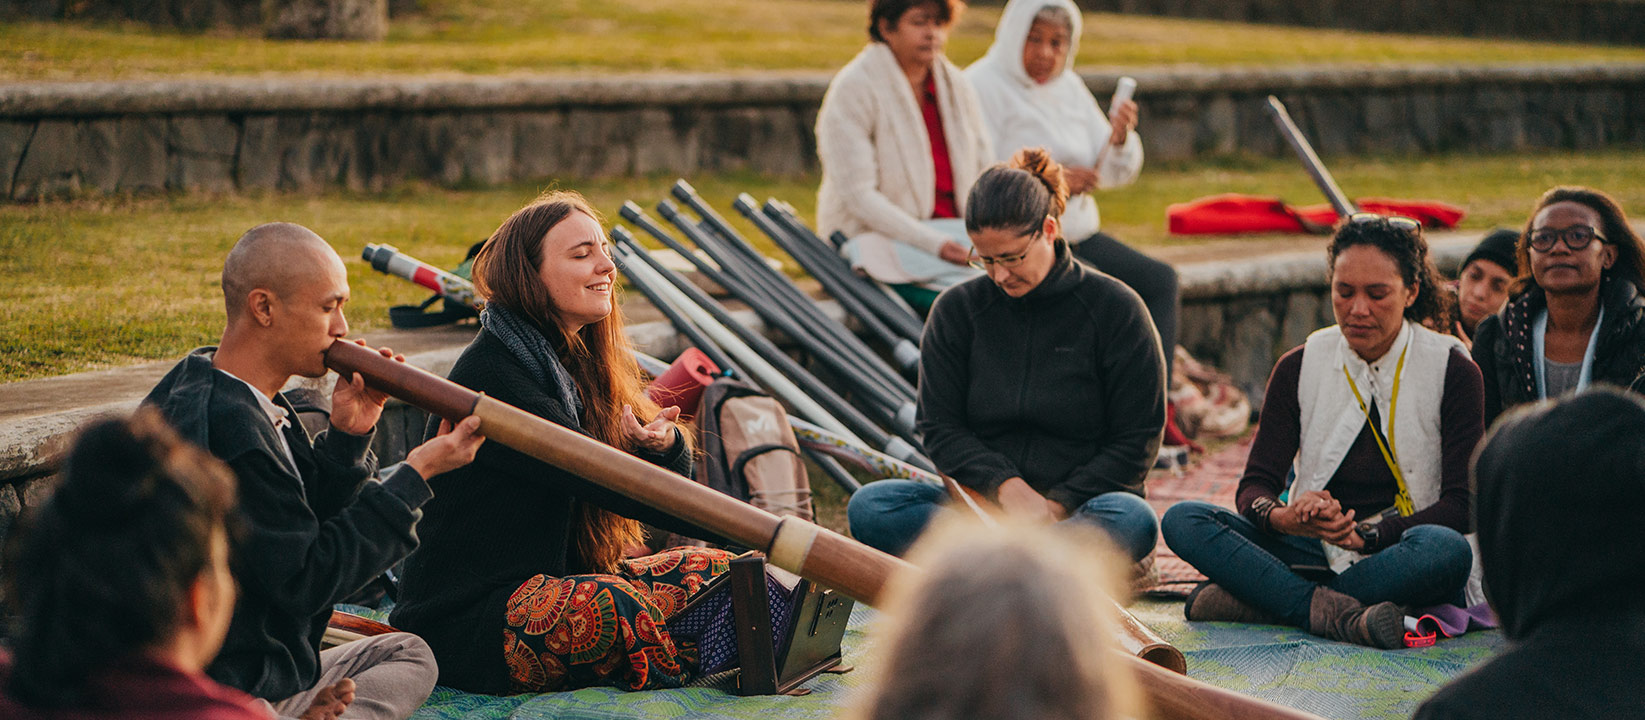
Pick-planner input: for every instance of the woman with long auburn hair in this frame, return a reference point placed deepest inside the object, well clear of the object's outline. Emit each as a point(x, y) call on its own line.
point(522, 582)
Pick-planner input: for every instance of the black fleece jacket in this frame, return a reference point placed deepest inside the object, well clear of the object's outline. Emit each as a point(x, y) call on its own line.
point(312, 534)
point(1063, 387)
point(499, 521)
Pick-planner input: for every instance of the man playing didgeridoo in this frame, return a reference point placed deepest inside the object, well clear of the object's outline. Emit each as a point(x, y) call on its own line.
point(318, 523)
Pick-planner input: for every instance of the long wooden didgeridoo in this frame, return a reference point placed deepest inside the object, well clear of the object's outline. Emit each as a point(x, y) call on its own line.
point(790, 543)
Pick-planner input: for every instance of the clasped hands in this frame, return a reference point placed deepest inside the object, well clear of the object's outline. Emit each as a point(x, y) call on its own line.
point(1316, 514)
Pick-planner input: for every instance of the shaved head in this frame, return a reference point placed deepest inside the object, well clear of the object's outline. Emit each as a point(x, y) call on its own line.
point(278, 257)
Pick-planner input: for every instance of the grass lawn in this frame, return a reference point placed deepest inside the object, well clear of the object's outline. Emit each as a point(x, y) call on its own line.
point(505, 36)
point(95, 283)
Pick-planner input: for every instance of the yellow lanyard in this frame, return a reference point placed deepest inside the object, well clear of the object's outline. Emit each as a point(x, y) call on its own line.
point(1402, 498)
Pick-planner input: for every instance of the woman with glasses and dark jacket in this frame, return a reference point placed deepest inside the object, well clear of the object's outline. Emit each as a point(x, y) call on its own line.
point(1042, 384)
point(1577, 316)
point(1378, 415)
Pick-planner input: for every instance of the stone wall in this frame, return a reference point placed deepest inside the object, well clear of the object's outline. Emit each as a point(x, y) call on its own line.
point(284, 134)
point(1606, 21)
point(181, 14)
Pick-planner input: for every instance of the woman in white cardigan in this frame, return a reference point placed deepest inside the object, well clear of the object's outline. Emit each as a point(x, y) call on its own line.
point(1031, 97)
point(901, 139)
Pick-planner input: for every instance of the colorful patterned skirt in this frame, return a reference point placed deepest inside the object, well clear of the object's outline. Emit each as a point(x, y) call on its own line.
point(587, 630)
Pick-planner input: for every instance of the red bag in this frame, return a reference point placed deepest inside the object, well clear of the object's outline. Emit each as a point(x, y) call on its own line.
point(1233, 213)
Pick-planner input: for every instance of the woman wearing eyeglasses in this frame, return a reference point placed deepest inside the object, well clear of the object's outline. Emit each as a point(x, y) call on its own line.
point(1576, 316)
point(1379, 416)
point(1042, 385)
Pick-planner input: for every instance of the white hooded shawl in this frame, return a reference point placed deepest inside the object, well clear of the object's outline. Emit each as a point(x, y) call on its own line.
point(1060, 115)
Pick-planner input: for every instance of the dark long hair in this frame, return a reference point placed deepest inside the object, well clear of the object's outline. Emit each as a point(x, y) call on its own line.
point(1409, 251)
point(1630, 261)
point(102, 570)
point(1018, 195)
point(598, 356)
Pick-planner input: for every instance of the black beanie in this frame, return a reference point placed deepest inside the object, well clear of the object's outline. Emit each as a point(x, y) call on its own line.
point(1498, 247)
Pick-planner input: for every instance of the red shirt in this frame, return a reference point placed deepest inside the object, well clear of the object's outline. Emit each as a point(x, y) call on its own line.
point(945, 206)
point(141, 688)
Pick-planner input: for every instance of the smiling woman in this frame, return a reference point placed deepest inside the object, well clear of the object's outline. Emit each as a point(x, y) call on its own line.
point(1578, 316)
point(545, 549)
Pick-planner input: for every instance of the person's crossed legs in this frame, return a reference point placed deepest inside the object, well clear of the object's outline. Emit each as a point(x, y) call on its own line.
point(890, 514)
point(392, 674)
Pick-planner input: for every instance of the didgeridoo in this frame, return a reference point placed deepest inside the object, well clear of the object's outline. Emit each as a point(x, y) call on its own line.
point(790, 543)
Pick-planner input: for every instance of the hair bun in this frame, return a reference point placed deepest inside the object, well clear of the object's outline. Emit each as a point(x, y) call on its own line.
point(114, 466)
point(1037, 161)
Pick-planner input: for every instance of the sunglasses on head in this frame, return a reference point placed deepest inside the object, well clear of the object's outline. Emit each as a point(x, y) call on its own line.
point(1395, 222)
point(1576, 237)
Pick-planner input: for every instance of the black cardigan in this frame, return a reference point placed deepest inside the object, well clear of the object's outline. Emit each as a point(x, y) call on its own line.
point(1063, 387)
point(496, 523)
point(1502, 346)
point(311, 537)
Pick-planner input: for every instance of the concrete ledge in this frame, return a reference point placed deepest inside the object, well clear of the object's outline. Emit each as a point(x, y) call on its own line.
point(297, 94)
point(422, 94)
point(307, 134)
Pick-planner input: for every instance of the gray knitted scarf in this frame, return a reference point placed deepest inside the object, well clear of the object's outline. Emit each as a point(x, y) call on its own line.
point(534, 352)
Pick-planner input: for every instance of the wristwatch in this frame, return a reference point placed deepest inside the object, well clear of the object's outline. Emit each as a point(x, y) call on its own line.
point(1369, 534)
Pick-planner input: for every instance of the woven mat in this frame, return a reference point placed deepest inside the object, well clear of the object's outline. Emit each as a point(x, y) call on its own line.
point(1212, 478)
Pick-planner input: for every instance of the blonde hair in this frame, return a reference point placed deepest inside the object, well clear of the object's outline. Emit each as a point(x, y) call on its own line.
point(1002, 622)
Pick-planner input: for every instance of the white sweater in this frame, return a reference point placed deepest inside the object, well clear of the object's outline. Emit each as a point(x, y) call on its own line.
point(878, 179)
point(1060, 115)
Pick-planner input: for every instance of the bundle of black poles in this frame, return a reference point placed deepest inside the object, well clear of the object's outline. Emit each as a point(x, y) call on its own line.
point(823, 262)
point(886, 396)
point(900, 443)
point(780, 287)
point(905, 352)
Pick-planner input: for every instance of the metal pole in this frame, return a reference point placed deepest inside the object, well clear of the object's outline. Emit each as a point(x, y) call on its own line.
point(1310, 161)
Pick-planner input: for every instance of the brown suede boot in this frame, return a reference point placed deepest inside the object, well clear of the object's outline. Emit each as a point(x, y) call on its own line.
point(1340, 617)
point(1210, 603)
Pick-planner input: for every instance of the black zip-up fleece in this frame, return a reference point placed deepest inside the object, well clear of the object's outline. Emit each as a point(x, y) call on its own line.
point(1063, 387)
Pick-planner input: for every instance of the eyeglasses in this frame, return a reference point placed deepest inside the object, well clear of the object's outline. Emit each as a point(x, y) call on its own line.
point(1576, 237)
point(1396, 222)
point(983, 262)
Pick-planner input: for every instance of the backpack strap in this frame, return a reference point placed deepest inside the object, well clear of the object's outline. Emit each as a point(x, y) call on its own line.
point(754, 452)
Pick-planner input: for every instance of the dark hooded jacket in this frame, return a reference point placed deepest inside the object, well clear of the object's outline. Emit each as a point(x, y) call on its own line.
point(1063, 387)
point(1502, 346)
point(313, 534)
point(1558, 501)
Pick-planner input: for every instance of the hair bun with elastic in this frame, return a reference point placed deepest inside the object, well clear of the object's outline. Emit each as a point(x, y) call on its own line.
point(1037, 161)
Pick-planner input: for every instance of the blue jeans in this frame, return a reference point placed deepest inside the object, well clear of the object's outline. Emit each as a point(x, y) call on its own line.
point(890, 514)
point(1428, 565)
